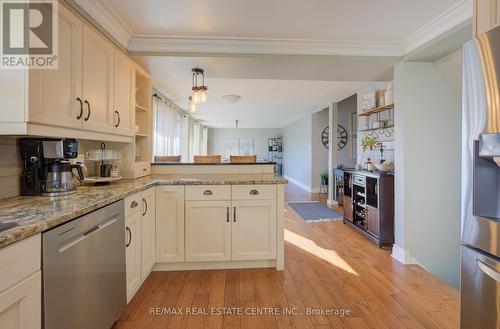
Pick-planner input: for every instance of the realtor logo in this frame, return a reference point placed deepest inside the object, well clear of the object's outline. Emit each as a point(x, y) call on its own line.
point(29, 34)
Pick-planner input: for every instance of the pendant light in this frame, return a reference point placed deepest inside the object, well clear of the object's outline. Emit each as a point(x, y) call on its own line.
point(199, 92)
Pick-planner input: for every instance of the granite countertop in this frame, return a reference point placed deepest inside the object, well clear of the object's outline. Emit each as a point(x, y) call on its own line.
point(38, 214)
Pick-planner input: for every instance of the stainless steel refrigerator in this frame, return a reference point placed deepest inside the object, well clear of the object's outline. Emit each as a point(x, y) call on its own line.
point(480, 251)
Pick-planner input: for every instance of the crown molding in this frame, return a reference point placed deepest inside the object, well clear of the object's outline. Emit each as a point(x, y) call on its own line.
point(107, 18)
point(454, 17)
point(175, 44)
point(111, 23)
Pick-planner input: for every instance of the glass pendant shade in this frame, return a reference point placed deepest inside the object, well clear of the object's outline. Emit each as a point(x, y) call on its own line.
point(192, 105)
point(199, 91)
point(195, 97)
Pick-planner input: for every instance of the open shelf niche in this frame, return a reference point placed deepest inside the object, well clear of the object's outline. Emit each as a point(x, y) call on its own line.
point(138, 154)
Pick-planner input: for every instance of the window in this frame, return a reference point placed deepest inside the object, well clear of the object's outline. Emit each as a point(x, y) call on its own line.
point(167, 125)
point(176, 133)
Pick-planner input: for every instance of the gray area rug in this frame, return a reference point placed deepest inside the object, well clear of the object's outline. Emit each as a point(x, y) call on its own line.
point(314, 212)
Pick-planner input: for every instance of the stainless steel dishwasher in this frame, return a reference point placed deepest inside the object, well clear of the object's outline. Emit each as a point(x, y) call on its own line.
point(84, 280)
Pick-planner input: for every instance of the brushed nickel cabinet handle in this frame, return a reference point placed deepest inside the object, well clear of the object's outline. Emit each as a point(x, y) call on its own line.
point(79, 116)
point(208, 192)
point(88, 115)
point(254, 192)
point(133, 204)
point(118, 117)
point(129, 236)
point(145, 207)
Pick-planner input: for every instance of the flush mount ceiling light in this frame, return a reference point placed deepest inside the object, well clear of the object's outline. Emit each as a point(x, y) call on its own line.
point(199, 92)
point(231, 99)
point(192, 105)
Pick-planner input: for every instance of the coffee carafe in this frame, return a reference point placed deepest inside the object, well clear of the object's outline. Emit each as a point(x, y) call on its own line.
point(47, 170)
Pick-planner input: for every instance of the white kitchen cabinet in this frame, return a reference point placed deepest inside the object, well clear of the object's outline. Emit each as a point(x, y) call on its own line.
point(123, 95)
point(55, 96)
point(21, 284)
point(147, 232)
point(253, 230)
point(208, 231)
point(169, 224)
point(133, 253)
point(21, 304)
point(97, 81)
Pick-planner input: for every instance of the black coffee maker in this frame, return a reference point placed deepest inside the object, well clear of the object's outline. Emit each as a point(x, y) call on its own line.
point(46, 169)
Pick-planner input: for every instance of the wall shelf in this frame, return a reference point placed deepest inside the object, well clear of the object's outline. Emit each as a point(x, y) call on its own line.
point(376, 110)
point(375, 129)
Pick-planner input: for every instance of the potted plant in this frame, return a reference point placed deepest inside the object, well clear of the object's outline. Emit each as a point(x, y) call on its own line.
point(324, 178)
point(368, 143)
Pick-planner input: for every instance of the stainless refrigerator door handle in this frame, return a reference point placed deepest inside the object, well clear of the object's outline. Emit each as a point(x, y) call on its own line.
point(489, 271)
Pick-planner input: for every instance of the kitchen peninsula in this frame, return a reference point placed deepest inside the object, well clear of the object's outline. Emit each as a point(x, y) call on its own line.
point(171, 221)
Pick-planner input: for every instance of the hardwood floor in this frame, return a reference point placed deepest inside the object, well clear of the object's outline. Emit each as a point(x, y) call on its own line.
point(328, 267)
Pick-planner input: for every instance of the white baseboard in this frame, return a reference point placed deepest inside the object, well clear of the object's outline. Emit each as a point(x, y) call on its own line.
point(402, 255)
point(300, 184)
point(188, 266)
point(332, 203)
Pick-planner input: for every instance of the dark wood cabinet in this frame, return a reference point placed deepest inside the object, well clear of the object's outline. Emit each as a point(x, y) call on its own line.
point(373, 213)
point(348, 210)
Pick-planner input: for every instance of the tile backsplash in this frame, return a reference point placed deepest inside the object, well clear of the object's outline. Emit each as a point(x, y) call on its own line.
point(10, 167)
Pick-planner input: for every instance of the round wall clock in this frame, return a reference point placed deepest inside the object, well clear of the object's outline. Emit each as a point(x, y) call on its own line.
point(341, 137)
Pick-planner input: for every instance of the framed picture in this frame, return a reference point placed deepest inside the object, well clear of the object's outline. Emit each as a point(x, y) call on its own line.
point(246, 147)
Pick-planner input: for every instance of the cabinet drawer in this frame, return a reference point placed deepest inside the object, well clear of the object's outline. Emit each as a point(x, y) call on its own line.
point(254, 192)
point(208, 192)
point(132, 204)
point(142, 169)
point(19, 261)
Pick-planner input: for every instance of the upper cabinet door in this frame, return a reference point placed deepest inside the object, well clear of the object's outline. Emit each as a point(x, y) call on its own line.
point(123, 95)
point(55, 95)
point(97, 82)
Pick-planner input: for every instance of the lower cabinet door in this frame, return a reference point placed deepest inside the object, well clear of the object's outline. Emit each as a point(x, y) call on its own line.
point(208, 231)
point(147, 232)
point(253, 230)
point(21, 304)
point(373, 220)
point(133, 253)
point(169, 224)
point(348, 211)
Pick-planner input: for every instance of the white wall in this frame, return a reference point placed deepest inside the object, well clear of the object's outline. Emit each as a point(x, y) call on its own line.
point(297, 151)
point(319, 153)
point(428, 130)
point(218, 136)
point(345, 109)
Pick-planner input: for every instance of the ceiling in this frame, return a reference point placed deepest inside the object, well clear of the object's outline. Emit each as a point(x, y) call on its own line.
point(280, 89)
point(286, 58)
point(265, 103)
point(354, 20)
